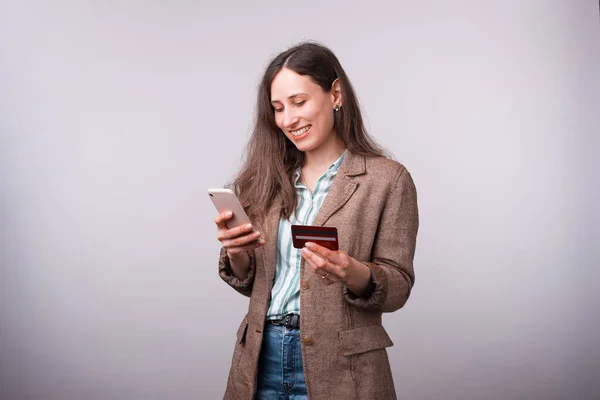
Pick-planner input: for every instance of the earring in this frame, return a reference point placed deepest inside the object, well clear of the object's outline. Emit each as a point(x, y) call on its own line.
point(336, 108)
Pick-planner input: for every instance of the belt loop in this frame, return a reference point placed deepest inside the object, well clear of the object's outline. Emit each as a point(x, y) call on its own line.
point(294, 323)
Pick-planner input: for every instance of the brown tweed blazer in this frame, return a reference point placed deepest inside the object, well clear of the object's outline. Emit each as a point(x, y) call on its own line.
point(373, 204)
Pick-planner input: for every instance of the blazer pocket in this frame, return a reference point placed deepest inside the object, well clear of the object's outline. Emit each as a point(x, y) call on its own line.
point(361, 340)
point(241, 332)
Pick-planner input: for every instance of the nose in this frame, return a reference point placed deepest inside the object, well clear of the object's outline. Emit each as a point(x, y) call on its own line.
point(289, 118)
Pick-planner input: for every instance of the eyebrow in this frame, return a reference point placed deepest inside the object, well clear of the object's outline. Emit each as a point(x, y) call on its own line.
point(289, 97)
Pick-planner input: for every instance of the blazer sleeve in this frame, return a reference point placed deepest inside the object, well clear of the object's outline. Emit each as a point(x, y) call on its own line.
point(393, 250)
point(242, 286)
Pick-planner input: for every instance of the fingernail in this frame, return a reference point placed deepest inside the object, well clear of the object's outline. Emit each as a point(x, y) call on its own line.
point(256, 234)
point(248, 227)
point(228, 214)
point(304, 250)
point(309, 245)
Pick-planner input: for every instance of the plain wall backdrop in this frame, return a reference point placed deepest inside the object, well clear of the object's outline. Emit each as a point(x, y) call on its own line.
point(117, 116)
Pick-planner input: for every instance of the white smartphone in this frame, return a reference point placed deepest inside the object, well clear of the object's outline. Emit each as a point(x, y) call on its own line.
point(226, 200)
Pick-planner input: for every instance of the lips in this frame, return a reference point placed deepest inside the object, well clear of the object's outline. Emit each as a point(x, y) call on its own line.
point(301, 133)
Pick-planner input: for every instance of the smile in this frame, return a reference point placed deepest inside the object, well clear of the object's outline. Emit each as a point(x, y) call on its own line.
point(300, 131)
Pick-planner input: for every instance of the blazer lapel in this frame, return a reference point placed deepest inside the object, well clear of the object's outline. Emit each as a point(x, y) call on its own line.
point(342, 188)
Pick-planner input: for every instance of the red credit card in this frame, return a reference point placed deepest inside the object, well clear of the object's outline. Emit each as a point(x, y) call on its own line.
point(322, 235)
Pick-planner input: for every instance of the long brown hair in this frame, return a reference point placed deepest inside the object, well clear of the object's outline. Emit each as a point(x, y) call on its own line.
point(271, 158)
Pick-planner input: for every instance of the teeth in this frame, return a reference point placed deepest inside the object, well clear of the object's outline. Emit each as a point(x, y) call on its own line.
point(301, 131)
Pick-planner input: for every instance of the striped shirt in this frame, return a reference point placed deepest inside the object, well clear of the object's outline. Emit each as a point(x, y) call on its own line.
point(285, 295)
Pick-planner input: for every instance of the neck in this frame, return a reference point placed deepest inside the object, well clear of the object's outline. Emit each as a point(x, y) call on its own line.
point(325, 155)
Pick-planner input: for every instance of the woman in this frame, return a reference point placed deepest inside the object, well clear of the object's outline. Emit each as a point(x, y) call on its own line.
point(313, 327)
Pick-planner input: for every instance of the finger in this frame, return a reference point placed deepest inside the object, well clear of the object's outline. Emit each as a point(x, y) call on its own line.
point(251, 246)
point(221, 220)
point(320, 250)
point(319, 261)
point(310, 264)
point(239, 241)
point(318, 264)
point(326, 277)
point(234, 232)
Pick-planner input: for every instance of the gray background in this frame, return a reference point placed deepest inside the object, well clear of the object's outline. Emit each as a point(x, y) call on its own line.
point(116, 116)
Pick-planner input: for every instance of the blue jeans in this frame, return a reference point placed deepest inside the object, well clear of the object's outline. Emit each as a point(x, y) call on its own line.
point(280, 371)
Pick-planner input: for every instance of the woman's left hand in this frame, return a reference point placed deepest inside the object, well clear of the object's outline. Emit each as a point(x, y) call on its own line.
point(337, 266)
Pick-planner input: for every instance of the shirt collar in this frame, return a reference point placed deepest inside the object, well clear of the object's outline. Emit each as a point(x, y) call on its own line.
point(332, 170)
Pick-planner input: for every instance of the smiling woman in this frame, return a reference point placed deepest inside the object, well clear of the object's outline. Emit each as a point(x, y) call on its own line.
point(313, 327)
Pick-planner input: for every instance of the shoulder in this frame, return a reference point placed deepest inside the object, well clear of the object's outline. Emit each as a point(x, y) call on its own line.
point(376, 170)
point(389, 175)
point(383, 165)
point(383, 168)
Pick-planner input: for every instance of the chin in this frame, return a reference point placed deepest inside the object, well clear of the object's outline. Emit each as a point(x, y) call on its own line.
point(304, 147)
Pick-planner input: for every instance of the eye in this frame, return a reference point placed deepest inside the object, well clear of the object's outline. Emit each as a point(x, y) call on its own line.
point(278, 109)
point(300, 103)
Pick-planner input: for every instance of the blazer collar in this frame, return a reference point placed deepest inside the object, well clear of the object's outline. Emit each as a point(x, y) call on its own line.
point(343, 186)
point(353, 164)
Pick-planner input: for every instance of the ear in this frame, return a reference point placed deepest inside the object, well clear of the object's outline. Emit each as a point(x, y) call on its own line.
point(336, 92)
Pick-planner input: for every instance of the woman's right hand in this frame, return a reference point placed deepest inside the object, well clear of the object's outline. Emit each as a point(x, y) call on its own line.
point(239, 240)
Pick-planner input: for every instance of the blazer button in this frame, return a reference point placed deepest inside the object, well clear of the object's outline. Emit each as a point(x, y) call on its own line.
point(307, 340)
point(304, 285)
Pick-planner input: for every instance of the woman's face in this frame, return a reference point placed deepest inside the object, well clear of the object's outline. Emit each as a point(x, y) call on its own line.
point(303, 111)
